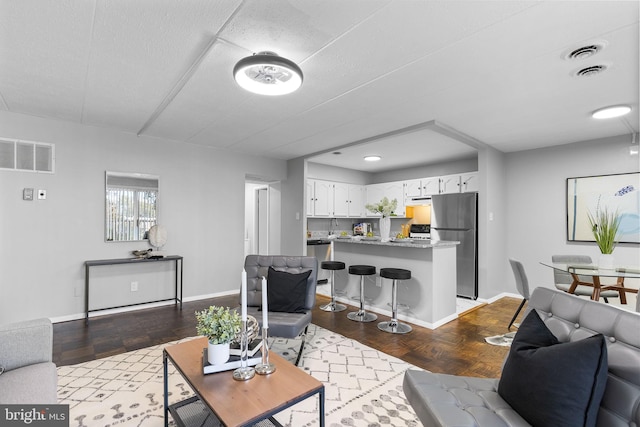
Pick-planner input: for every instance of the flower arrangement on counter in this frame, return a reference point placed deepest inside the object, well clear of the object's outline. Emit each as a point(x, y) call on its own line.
point(384, 207)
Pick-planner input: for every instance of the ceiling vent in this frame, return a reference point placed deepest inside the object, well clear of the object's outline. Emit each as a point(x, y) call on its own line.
point(591, 71)
point(584, 51)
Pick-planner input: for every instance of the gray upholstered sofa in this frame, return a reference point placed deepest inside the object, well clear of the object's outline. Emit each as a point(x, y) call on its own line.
point(29, 375)
point(282, 324)
point(447, 400)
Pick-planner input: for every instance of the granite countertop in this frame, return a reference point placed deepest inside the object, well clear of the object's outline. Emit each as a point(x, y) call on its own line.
point(405, 243)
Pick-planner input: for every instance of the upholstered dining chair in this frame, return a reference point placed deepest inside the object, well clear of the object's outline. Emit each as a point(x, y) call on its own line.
point(293, 289)
point(522, 285)
point(563, 279)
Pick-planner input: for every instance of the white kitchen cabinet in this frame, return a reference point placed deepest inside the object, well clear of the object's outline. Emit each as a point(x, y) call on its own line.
point(390, 190)
point(413, 188)
point(449, 184)
point(469, 182)
point(348, 200)
point(430, 186)
point(320, 193)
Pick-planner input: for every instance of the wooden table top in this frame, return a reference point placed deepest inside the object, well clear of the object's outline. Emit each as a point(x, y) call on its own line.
point(239, 403)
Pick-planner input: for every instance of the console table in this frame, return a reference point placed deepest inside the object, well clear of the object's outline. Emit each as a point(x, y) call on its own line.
point(178, 260)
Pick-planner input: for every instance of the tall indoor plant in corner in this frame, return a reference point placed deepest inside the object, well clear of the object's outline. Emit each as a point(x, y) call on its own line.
point(220, 325)
point(604, 225)
point(385, 208)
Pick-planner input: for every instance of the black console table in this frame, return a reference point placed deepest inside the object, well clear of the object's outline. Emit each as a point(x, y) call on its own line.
point(178, 260)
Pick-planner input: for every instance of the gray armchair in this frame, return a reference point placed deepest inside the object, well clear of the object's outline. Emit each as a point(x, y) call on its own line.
point(285, 325)
point(28, 375)
point(563, 279)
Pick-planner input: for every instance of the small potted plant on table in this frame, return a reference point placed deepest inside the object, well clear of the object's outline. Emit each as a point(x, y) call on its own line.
point(221, 326)
point(604, 225)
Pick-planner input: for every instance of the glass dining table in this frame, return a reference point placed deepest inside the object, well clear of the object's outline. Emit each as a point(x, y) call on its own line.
point(619, 273)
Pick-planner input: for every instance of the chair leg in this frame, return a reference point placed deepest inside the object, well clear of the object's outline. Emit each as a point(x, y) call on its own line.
point(606, 301)
point(516, 315)
point(304, 336)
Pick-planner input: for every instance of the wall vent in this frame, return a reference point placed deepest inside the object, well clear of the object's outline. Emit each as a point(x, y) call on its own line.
point(27, 156)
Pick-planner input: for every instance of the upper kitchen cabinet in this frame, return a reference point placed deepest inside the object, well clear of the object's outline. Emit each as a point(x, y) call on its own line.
point(390, 190)
point(450, 184)
point(348, 200)
point(421, 187)
point(320, 198)
point(469, 182)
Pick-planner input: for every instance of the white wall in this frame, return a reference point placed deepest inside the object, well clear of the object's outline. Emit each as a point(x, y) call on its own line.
point(45, 243)
point(536, 202)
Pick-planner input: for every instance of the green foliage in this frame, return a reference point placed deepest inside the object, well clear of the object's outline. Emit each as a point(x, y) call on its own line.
point(384, 207)
point(219, 324)
point(604, 226)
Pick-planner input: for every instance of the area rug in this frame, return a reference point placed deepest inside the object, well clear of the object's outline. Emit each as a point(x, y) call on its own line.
point(363, 386)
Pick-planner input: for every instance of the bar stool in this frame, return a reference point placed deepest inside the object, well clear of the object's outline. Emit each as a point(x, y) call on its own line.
point(393, 326)
point(361, 315)
point(333, 266)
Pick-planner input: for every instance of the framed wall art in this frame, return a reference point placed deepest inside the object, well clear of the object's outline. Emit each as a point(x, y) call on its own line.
point(591, 194)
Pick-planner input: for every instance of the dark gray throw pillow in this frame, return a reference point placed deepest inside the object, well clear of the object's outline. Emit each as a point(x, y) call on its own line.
point(551, 383)
point(287, 292)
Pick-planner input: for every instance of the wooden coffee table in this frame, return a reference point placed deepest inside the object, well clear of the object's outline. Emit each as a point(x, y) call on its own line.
point(240, 403)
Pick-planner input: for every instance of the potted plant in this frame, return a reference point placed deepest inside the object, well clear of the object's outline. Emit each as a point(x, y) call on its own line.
point(604, 225)
point(220, 325)
point(385, 208)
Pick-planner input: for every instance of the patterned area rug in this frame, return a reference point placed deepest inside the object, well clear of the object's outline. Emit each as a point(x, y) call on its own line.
point(363, 387)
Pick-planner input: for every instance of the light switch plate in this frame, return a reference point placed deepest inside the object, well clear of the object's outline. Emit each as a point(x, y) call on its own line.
point(27, 194)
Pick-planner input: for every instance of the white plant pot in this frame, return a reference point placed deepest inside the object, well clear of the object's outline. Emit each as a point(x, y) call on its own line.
point(217, 354)
point(606, 261)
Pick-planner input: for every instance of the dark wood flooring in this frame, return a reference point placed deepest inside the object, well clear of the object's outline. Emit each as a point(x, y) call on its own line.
point(455, 348)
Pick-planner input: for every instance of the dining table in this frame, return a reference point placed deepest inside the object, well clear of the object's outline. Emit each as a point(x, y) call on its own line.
point(596, 273)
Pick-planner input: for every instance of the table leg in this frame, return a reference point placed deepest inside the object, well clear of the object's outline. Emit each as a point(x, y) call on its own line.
point(321, 406)
point(166, 389)
point(623, 293)
point(596, 288)
point(86, 294)
point(574, 284)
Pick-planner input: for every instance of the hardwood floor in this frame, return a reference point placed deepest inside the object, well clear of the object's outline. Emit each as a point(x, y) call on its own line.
point(455, 348)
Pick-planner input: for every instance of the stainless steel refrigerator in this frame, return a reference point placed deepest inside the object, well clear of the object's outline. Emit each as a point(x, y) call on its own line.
point(455, 217)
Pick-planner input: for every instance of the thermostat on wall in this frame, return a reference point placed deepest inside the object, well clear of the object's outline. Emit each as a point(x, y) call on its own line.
point(27, 194)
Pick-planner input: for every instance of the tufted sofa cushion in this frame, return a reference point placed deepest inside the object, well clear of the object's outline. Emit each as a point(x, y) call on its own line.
point(447, 400)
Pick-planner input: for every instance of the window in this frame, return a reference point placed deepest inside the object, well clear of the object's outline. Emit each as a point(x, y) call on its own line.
point(131, 206)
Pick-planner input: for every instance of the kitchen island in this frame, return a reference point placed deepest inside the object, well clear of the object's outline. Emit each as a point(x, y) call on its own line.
point(430, 294)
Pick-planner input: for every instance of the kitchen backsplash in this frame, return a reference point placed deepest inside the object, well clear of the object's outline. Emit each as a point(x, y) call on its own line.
point(323, 227)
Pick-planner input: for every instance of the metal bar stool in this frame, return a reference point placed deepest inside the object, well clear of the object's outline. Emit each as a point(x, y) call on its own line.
point(333, 266)
point(361, 315)
point(393, 326)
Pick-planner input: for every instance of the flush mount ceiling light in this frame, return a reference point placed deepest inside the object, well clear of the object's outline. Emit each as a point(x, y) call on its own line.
point(266, 73)
point(611, 112)
point(372, 158)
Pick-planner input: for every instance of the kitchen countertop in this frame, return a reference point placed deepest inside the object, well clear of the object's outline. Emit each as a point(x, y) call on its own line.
point(418, 243)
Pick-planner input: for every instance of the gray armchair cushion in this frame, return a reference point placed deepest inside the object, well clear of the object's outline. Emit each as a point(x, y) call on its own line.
point(286, 325)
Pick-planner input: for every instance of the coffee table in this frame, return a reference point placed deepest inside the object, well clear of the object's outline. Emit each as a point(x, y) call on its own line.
point(239, 403)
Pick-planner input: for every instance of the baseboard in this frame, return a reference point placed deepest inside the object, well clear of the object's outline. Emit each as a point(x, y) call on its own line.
point(80, 316)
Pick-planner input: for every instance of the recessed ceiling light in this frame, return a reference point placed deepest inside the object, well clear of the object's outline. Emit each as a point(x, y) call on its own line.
point(372, 158)
point(266, 73)
point(611, 112)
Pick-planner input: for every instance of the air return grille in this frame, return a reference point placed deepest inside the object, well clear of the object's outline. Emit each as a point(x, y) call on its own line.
point(27, 156)
point(591, 71)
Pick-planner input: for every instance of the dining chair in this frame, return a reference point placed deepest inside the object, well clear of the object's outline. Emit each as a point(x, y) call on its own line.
point(563, 279)
point(522, 285)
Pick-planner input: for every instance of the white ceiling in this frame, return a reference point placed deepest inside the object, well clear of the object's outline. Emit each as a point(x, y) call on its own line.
point(492, 70)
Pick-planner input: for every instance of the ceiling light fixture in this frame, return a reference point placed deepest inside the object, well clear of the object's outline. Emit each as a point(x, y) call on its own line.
point(611, 112)
point(372, 158)
point(266, 73)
